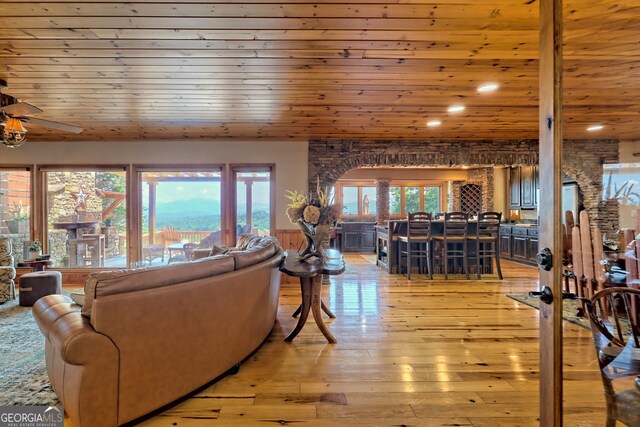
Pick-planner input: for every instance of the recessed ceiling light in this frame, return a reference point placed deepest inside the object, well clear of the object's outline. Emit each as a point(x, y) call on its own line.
point(455, 108)
point(489, 87)
point(594, 128)
point(434, 123)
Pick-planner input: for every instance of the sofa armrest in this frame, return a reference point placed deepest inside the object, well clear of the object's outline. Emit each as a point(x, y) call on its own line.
point(82, 364)
point(71, 333)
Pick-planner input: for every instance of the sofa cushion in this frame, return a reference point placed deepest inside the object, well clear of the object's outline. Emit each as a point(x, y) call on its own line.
point(128, 280)
point(259, 250)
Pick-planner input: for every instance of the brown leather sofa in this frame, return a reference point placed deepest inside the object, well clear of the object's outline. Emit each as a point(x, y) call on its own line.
point(146, 337)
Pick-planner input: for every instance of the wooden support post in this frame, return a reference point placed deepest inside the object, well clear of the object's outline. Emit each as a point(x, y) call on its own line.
point(152, 211)
point(551, 215)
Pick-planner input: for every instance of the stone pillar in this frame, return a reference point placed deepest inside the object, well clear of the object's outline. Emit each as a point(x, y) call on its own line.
point(382, 204)
point(453, 196)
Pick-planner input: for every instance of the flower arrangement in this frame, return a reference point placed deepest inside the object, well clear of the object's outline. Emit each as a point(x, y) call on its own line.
point(314, 210)
point(35, 246)
point(314, 214)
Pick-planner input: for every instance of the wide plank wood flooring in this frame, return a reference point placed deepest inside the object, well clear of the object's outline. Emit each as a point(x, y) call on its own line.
point(409, 353)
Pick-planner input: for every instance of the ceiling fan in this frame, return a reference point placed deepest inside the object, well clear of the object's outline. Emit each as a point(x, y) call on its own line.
point(13, 116)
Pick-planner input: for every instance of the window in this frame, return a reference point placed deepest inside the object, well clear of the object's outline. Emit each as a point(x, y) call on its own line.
point(411, 199)
point(15, 209)
point(253, 200)
point(86, 217)
point(179, 206)
point(369, 201)
point(358, 199)
point(414, 197)
point(395, 200)
point(432, 199)
point(350, 205)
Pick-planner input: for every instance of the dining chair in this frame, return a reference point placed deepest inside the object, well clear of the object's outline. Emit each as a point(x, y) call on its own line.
point(616, 336)
point(487, 240)
point(454, 240)
point(417, 241)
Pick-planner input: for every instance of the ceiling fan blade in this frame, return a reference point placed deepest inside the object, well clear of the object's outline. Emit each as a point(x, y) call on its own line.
point(53, 125)
point(21, 109)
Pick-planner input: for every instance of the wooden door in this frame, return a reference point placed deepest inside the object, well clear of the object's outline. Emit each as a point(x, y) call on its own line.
point(550, 229)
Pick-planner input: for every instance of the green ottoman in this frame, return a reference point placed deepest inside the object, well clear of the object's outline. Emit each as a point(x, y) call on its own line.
point(36, 285)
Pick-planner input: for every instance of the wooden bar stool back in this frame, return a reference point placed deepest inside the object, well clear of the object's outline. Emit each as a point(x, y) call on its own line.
point(454, 240)
point(417, 240)
point(487, 240)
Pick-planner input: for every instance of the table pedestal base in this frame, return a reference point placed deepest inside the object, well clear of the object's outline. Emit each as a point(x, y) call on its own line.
point(310, 288)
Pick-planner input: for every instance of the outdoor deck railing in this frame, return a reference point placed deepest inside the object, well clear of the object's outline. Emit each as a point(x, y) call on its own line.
point(186, 236)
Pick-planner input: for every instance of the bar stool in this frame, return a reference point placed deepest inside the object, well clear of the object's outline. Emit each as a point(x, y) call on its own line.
point(454, 240)
point(418, 234)
point(487, 239)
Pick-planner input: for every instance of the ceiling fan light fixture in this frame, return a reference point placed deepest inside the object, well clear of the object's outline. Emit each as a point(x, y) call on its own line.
point(14, 134)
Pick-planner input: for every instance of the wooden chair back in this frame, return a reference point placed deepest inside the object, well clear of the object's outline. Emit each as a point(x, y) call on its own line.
point(632, 265)
point(419, 225)
point(576, 245)
point(456, 225)
point(569, 220)
point(587, 251)
point(599, 260)
point(170, 235)
point(632, 260)
point(489, 224)
point(616, 336)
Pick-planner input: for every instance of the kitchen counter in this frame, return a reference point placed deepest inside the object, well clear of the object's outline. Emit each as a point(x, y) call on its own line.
point(519, 242)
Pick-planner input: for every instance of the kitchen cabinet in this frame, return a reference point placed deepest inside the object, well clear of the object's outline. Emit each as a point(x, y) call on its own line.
point(505, 242)
point(514, 193)
point(358, 237)
point(519, 243)
point(522, 190)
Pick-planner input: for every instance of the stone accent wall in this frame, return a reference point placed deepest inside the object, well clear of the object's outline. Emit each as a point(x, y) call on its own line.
point(382, 197)
point(453, 196)
point(583, 160)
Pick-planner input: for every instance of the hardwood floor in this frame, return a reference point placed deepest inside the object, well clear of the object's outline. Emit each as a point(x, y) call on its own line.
point(414, 353)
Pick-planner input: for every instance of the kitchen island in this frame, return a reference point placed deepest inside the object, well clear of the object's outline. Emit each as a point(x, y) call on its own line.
point(518, 242)
point(388, 250)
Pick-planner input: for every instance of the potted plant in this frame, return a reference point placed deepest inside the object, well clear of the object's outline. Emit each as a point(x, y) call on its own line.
point(35, 249)
point(18, 214)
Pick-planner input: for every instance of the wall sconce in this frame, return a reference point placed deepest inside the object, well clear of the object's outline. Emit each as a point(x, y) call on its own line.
point(14, 134)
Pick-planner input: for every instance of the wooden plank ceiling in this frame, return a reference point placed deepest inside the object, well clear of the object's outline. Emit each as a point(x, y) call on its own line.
point(286, 69)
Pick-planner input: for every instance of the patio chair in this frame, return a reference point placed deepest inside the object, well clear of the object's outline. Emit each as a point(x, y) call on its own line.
point(170, 235)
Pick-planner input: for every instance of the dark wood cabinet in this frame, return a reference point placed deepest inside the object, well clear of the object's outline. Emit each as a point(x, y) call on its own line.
point(519, 248)
point(522, 188)
point(532, 249)
point(505, 242)
point(505, 246)
point(514, 193)
point(527, 188)
point(358, 237)
point(519, 243)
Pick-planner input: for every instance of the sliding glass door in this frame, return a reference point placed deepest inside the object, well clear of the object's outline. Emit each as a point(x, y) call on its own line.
point(15, 209)
point(86, 217)
point(253, 200)
point(179, 206)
